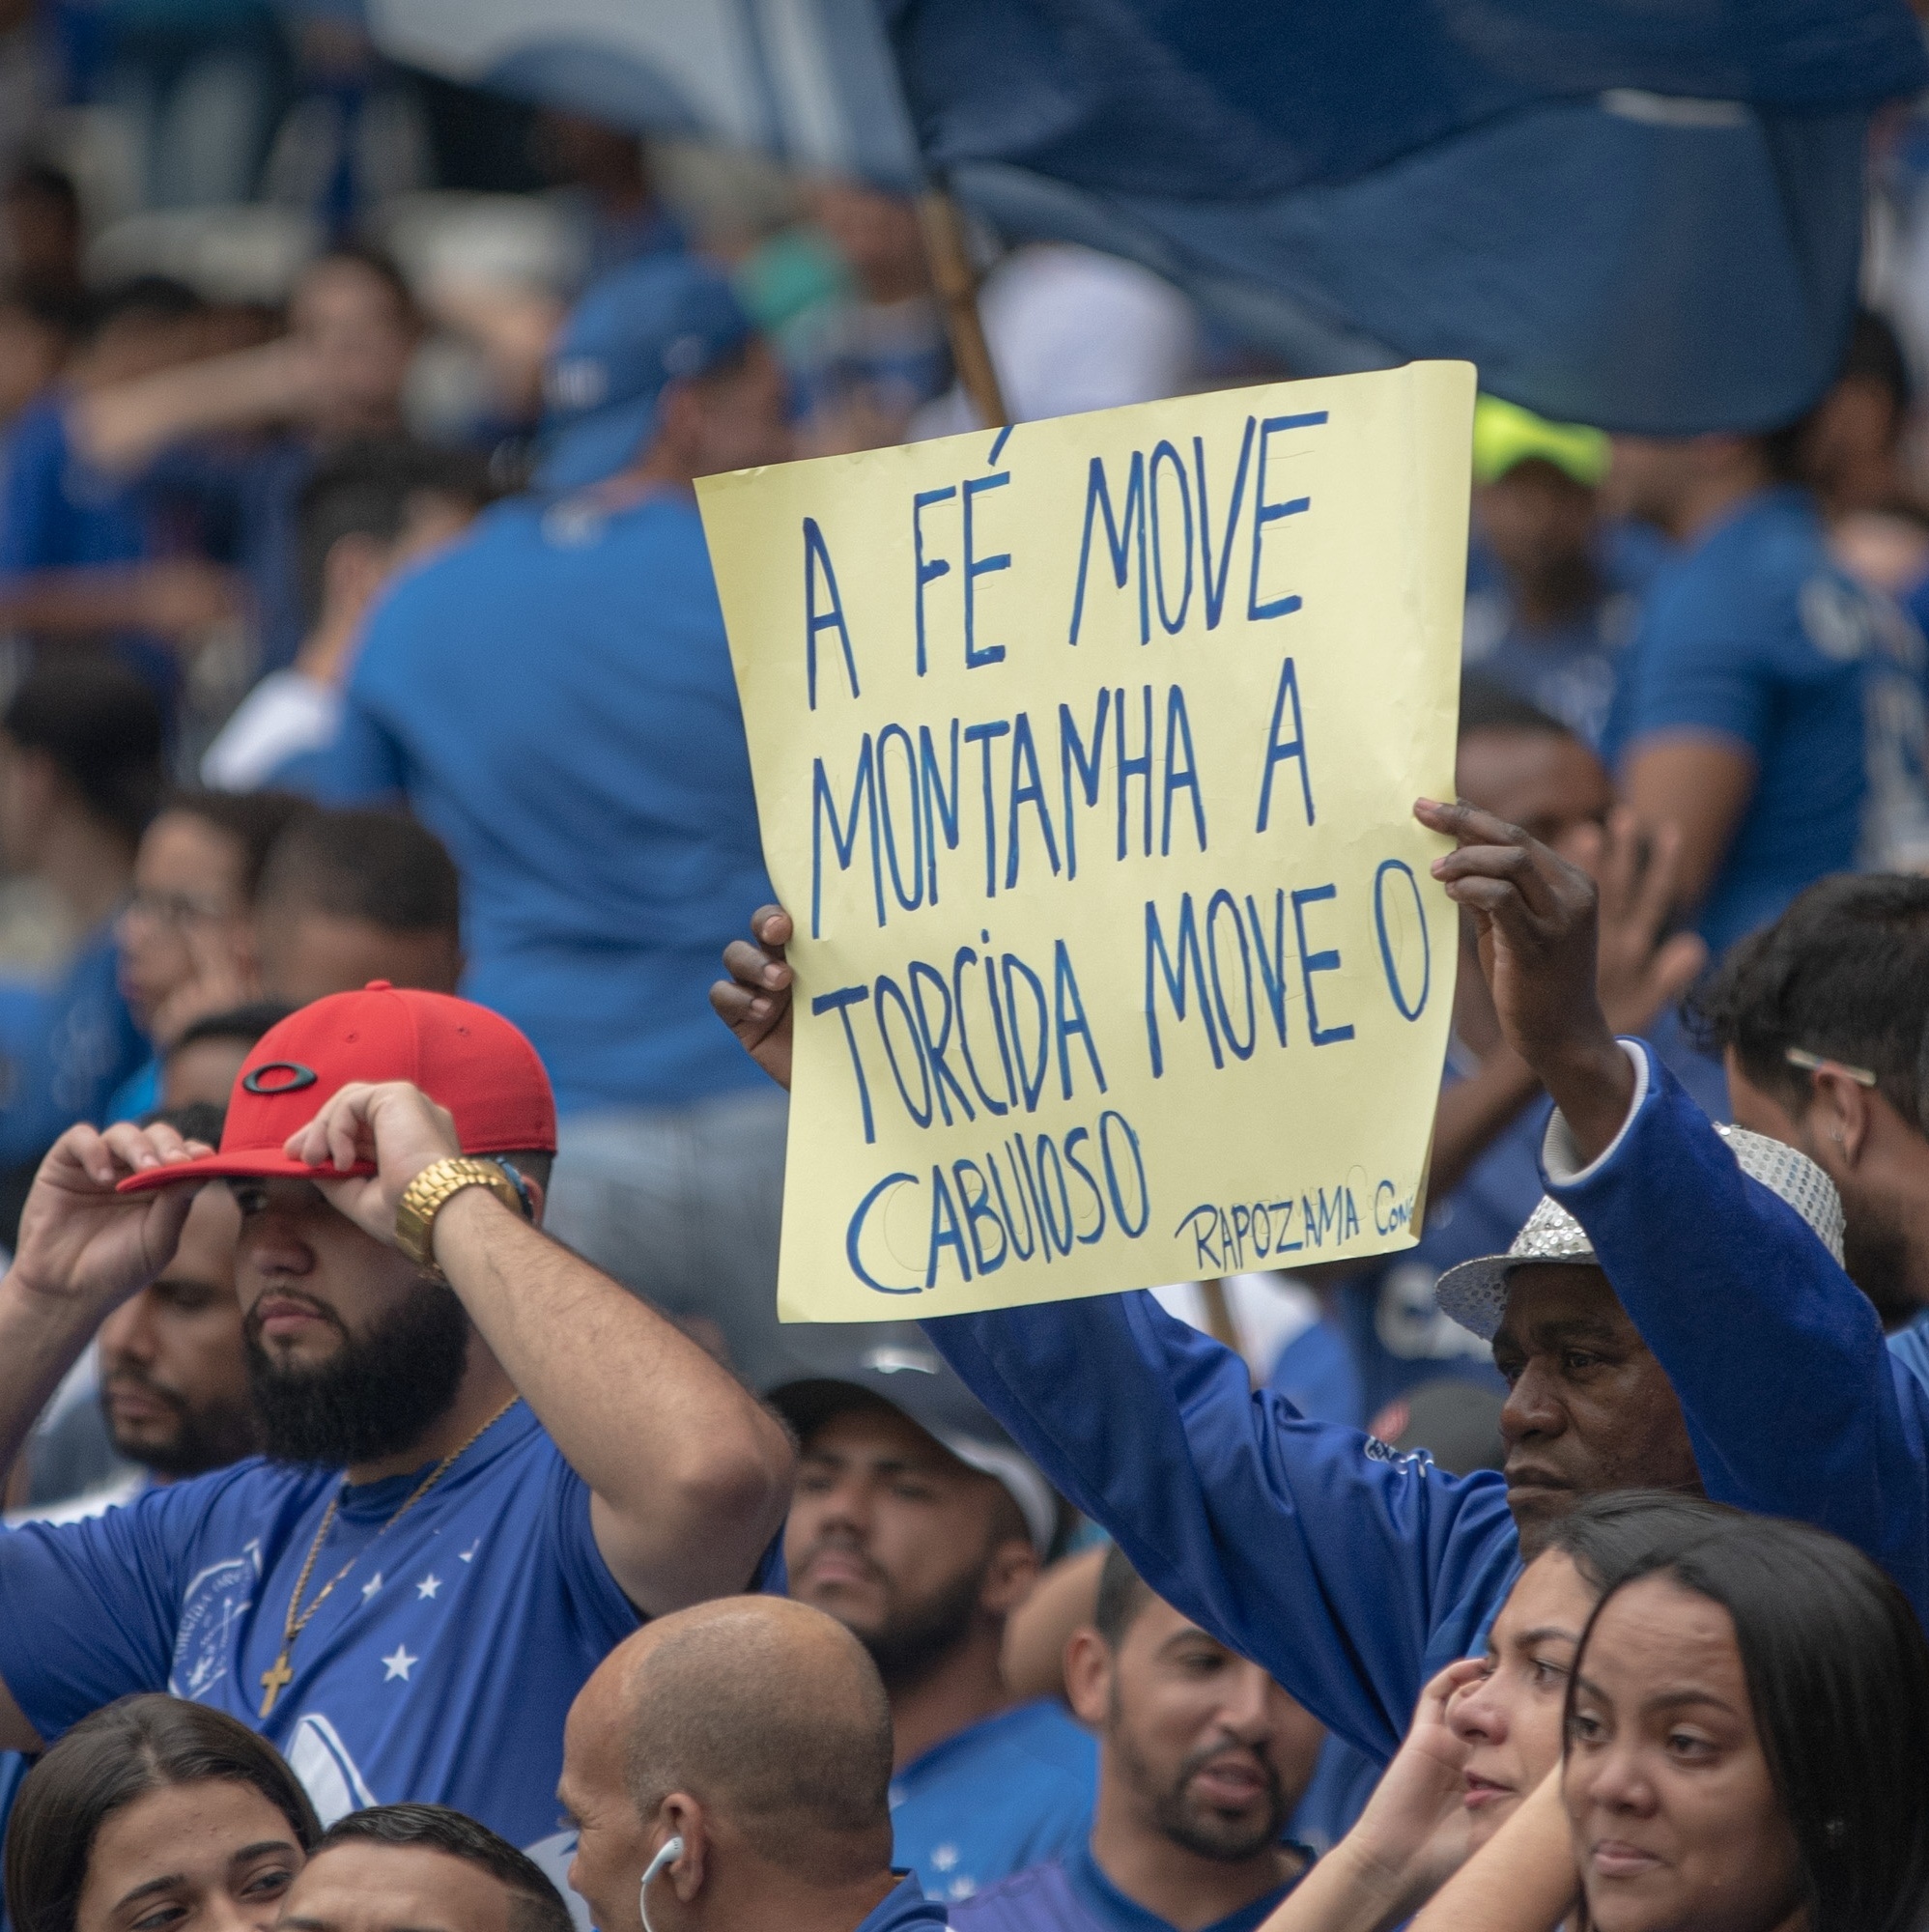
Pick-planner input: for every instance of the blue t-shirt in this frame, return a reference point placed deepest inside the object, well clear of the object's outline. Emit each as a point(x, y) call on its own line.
point(994, 1798)
point(903, 1909)
point(1569, 669)
point(1071, 1894)
point(63, 1052)
point(440, 1669)
point(137, 1094)
point(1316, 1373)
point(1755, 635)
point(57, 513)
point(555, 695)
point(1910, 1346)
point(243, 498)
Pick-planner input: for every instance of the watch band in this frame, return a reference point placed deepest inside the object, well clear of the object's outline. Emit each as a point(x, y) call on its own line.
point(423, 1199)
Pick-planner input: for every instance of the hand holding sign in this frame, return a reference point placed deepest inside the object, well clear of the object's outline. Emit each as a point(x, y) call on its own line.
point(754, 1001)
point(1083, 753)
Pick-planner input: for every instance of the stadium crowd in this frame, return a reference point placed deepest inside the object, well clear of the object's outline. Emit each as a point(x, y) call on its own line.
point(417, 1515)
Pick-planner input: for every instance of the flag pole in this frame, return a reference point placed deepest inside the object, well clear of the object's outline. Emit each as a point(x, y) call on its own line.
point(957, 283)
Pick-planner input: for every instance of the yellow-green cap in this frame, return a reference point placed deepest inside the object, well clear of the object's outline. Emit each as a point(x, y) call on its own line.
point(1505, 434)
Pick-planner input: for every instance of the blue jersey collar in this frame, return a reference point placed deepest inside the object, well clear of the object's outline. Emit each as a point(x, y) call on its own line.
point(903, 1909)
point(378, 1501)
point(961, 1742)
point(1109, 1907)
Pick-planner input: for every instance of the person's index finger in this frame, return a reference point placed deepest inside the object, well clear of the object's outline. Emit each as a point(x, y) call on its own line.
point(1475, 825)
point(129, 1144)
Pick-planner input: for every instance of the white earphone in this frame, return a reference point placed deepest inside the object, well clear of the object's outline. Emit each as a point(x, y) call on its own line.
point(668, 1854)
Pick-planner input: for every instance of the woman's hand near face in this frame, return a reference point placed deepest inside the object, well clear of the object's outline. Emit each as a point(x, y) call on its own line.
point(1523, 1880)
point(1416, 1823)
point(1413, 1834)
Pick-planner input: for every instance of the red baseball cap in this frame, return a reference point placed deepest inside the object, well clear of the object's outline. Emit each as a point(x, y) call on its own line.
point(462, 1055)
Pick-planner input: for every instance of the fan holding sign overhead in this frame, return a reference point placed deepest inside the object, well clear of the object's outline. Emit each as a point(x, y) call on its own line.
point(1085, 754)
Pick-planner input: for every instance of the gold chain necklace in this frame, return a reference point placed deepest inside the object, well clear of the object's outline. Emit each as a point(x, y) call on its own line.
point(279, 1676)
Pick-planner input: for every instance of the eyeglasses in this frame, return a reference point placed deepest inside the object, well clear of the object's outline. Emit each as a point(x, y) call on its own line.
point(171, 909)
point(1814, 1063)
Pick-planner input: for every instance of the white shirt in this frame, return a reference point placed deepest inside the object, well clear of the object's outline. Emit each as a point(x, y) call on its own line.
point(1072, 329)
point(286, 714)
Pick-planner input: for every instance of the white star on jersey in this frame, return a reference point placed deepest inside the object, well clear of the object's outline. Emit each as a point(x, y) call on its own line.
point(428, 1586)
point(470, 1553)
point(400, 1665)
point(372, 1584)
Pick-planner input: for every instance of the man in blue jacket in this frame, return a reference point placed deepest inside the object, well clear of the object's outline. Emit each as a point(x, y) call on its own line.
point(1352, 1574)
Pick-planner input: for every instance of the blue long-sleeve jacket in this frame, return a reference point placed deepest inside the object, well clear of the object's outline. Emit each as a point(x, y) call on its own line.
point(1352, 1574)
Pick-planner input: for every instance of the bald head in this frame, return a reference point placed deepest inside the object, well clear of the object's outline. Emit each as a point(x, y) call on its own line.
point(768, 1713)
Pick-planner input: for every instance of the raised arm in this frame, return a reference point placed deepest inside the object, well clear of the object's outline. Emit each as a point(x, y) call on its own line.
point(83, 1250)
point(178, 597)
point(1793, 1403)
point(1641, 969)
point(689, 1475)
point(1700, 783)
point(123, 427)
point(1349, 1573)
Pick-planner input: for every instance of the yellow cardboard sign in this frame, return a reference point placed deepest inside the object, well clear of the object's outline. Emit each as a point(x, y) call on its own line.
point(1085, 757)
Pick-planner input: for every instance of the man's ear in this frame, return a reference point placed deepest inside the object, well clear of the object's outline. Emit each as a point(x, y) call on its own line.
point(1839, 1118)
point(1011, 1577)
point(687, 1871)
point(534, 1191)
point(1087, 1676)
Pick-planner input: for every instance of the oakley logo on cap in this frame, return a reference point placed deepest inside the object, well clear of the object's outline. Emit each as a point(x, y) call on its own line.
point(278, 1076)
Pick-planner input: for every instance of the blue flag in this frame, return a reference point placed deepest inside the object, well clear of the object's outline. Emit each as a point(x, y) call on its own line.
point(1645, 216)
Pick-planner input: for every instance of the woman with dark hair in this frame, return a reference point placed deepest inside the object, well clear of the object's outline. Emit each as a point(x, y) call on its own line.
point(1747, 1750)
point(1509, 1712)
point(1749, 1742)
point(1488, 1731)
point(156, 1815)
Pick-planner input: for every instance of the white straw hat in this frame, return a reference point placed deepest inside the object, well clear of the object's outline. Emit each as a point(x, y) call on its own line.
point(1475, 1294)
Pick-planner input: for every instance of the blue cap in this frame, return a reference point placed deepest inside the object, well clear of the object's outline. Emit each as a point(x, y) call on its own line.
point(637, 329)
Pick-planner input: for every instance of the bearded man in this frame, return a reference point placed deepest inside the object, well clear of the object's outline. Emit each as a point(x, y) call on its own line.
point(920, 1526)
point(485, 1461)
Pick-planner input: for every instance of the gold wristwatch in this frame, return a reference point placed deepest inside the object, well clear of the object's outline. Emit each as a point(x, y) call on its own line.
point(423, 1198)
